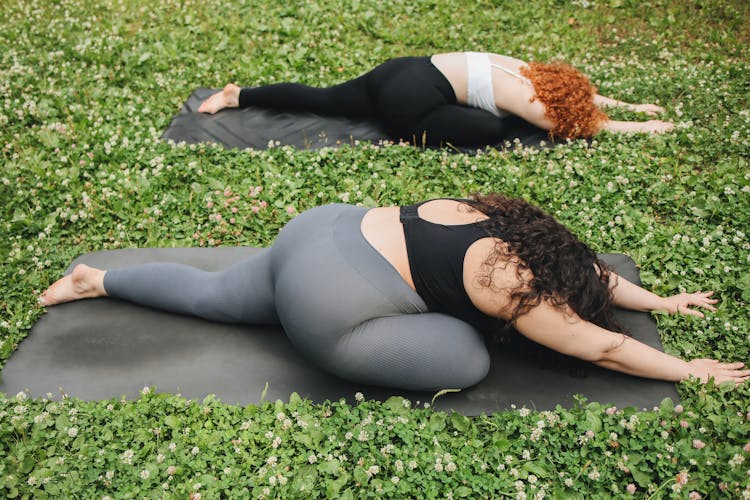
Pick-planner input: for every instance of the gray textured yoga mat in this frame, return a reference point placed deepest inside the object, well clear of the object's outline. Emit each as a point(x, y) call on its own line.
point(103, 348)
point(256, 128)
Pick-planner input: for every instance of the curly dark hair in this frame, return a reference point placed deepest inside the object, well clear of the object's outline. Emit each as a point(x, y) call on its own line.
point(563, 270)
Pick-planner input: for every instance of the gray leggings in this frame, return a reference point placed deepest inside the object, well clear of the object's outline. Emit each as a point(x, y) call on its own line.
point(342, 305)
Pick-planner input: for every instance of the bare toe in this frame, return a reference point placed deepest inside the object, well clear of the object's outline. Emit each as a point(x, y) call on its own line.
point(84, 282)
point(229, 97)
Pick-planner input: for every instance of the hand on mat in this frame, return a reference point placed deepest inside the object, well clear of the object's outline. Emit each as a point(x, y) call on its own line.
point(705, 369)
point(649, 109)
point(681, 303)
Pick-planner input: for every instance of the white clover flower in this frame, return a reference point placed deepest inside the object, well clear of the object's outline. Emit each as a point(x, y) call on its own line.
point(359, 396)
point(172, 447)
point(145, 474)
point(160, 458)
point(72, 432)
point(736, 460)
point(195, 450)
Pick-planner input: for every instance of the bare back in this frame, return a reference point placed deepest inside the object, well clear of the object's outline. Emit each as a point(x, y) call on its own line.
point(382, 228)
point(511, 93)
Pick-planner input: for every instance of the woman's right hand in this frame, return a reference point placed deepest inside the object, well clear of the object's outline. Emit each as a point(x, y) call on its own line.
point(656, 126)
point(704, 369)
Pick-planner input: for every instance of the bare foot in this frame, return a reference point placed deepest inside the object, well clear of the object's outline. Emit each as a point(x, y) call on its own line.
point(83, 283)
point(227, 98)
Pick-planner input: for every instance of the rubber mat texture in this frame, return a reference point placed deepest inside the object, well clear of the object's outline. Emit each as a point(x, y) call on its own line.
point(259, 128)
point(104, 348)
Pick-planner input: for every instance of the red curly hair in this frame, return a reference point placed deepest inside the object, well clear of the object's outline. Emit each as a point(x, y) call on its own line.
point(568, 98)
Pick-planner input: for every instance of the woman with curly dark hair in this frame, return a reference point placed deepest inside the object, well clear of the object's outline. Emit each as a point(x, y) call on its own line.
point(401, 296)
point(457, 98)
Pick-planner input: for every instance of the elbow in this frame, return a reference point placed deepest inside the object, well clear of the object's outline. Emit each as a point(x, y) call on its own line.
point(611, 352)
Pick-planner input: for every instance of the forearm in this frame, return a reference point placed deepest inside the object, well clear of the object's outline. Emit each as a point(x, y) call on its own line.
point(635, 358)
point(624, 127)
point(628, 295)
point(602, 101)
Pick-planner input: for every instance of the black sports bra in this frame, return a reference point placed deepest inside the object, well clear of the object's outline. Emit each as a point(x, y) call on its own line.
point(436, 257)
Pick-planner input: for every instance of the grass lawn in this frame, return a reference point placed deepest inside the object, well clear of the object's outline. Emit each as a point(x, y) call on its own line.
point(86, 88)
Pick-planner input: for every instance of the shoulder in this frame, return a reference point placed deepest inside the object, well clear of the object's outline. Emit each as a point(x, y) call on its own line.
point(491, 277)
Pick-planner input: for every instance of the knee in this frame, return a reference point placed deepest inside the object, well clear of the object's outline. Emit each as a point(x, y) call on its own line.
point(473, 367)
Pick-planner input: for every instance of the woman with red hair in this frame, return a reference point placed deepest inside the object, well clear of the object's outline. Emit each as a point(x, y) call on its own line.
point(457, 98)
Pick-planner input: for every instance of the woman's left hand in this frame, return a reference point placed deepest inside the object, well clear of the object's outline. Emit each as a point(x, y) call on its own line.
point(681, 303)
point(649, 109)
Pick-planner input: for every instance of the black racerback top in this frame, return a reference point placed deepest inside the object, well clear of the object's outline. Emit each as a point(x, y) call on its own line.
point(436, 257)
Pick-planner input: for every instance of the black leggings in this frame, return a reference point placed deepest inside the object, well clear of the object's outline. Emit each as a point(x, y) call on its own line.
point(408, 96)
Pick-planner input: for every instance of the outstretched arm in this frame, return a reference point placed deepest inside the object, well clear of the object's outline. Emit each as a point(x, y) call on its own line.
point(628, 295)
point(649, 109)
point(565, 332)
point(652, 126)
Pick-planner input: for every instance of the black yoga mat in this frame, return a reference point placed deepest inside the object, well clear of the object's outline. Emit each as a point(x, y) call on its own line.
point(258, 128)
point(104, 348)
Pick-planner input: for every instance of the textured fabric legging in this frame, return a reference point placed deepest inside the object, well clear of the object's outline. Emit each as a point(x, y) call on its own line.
point(342, 305)
point(408, 96)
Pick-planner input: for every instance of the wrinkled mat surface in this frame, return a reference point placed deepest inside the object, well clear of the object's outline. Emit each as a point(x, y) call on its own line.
point(257, 127)
point(103, 348)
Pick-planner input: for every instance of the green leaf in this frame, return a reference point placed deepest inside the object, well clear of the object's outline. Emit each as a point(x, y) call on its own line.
point(329, 466)
point(27, 464)
point(173, 422)
point(397, 404)
point(303, 438)
point(593, 422)
point(462, 492)
point(537, 468)
point(642, 478)
point(460, 422)
point(437, 422)
point(666, 407)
